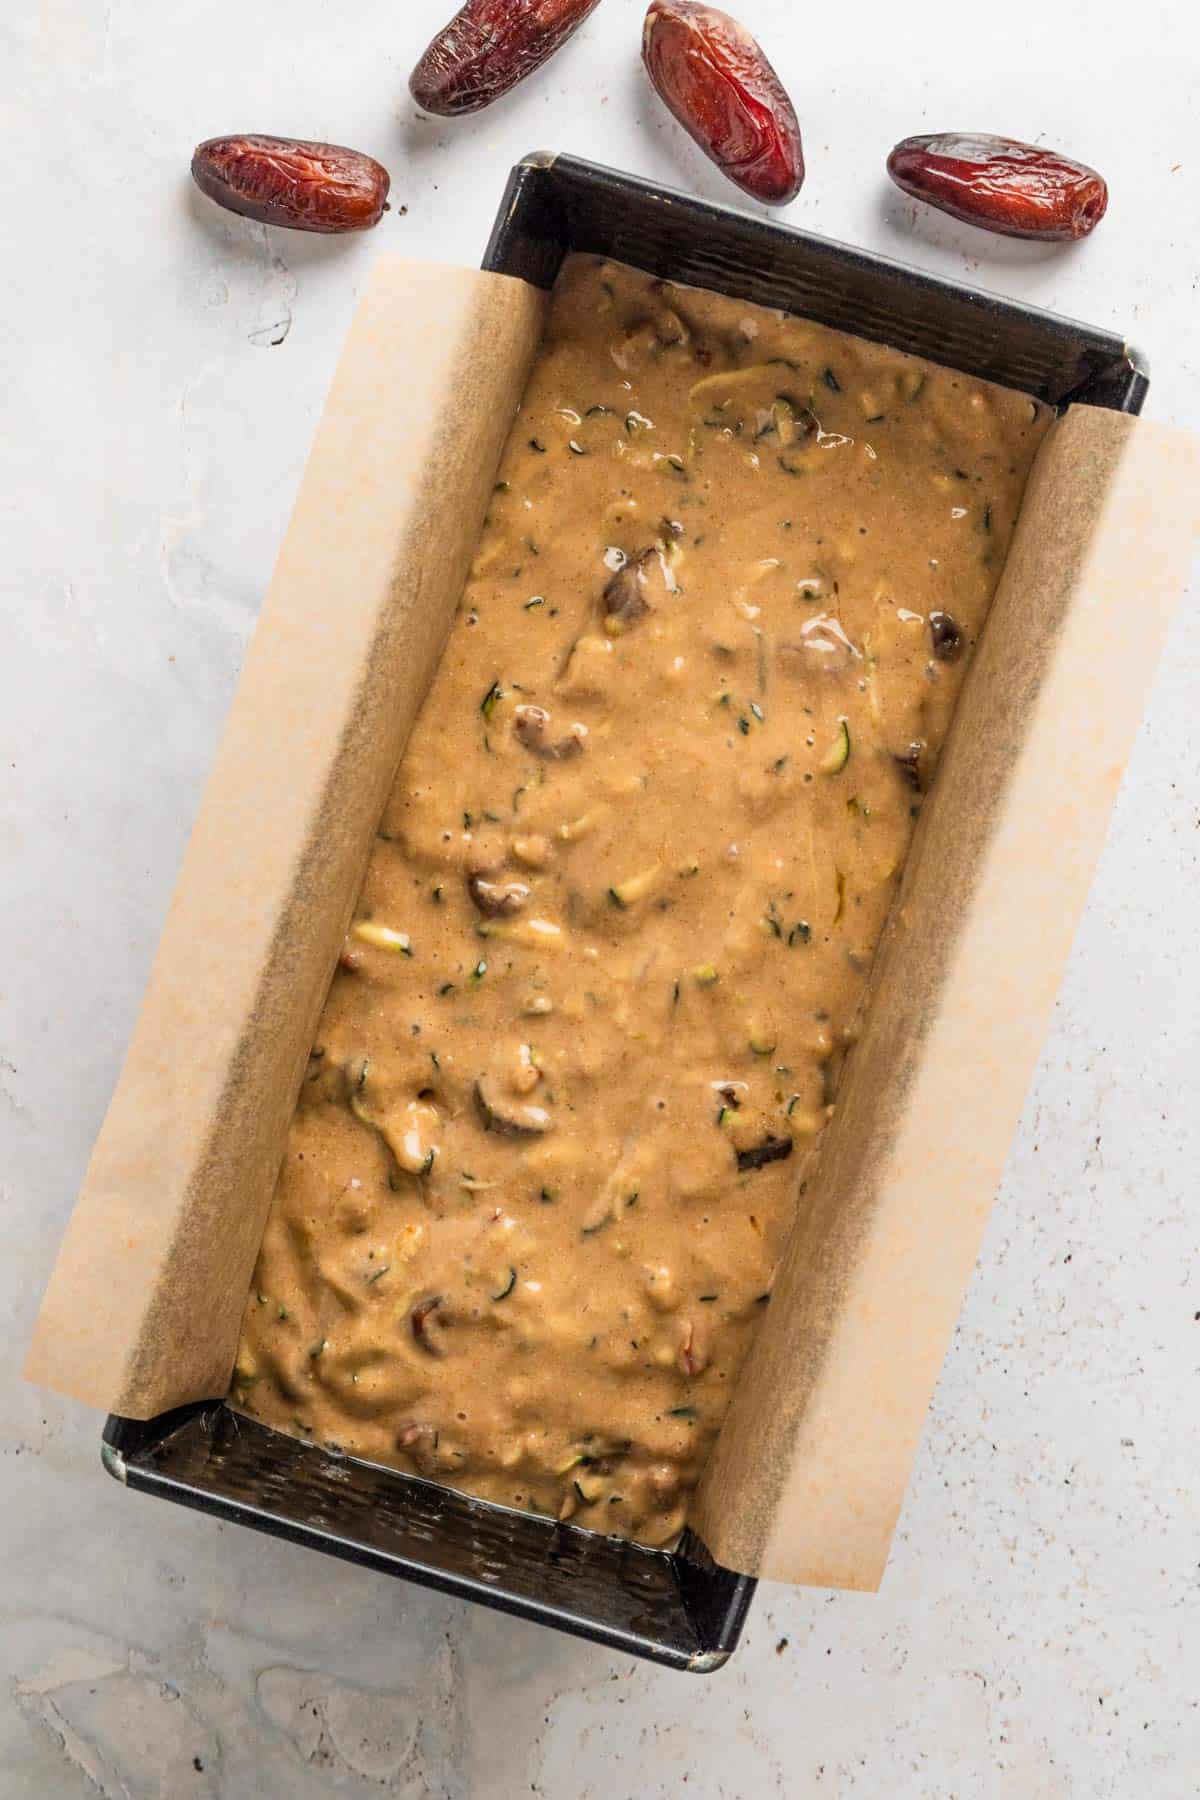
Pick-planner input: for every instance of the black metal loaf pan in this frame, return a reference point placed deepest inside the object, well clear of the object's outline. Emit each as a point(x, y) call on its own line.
point(677, 1608)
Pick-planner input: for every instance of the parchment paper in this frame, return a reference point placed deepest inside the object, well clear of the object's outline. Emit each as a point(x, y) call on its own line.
point(144, 1304)
point(809, 1473)
point(830, 1405)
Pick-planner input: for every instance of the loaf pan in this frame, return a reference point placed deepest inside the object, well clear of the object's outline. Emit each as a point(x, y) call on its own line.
point(678, 1607)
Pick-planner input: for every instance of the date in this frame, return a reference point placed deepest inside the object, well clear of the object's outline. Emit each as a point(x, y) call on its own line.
point(488, 47)
point(288, 181)
point(713, 76)
point(1019, 190)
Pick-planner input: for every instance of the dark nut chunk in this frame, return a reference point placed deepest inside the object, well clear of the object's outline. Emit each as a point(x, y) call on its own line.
point(626, 594)
point(497, 899)
point(287, 181)
point(509, 1115)
point(908, 766)
point(669, 331)
point(946, 635)
point(427, 1325)
point(772, 1149)
point(488, 47)
point(712, 75)
point(532, 726)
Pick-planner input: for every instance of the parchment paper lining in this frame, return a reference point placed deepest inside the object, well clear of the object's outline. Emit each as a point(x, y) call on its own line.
point(808, 1477)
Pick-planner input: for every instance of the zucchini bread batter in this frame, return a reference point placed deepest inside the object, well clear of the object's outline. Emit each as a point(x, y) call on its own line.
point(589, 1019)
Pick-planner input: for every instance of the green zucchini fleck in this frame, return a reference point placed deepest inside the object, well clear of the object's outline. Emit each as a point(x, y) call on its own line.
point(838, 754)
point(540, 448)
point(682, 1412)
point(831, 382)
point(487, 705)
point(382, 937)
point(477, 973)
point(508, 1287)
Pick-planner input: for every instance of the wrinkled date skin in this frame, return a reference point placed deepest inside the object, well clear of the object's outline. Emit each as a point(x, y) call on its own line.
point(710, 72)
point(285, 181)
point(1019, 190)
point(488, 46)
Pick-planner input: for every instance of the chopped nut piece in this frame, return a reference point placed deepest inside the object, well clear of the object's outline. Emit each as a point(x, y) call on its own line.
point(495, 898)
point(532, 726)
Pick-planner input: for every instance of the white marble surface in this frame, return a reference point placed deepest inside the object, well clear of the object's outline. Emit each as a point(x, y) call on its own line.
point(163, 365)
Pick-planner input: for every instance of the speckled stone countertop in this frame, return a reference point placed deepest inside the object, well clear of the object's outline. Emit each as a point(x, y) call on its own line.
point(1038, 1633)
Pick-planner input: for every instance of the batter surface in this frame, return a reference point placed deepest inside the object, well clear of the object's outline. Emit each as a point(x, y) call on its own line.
point(590, 1018)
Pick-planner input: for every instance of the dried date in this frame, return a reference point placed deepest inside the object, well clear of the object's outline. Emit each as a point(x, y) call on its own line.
point(713, 76)
point(1019, 190)
point(945, 636)
point(287, 181)
point(488, 47)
